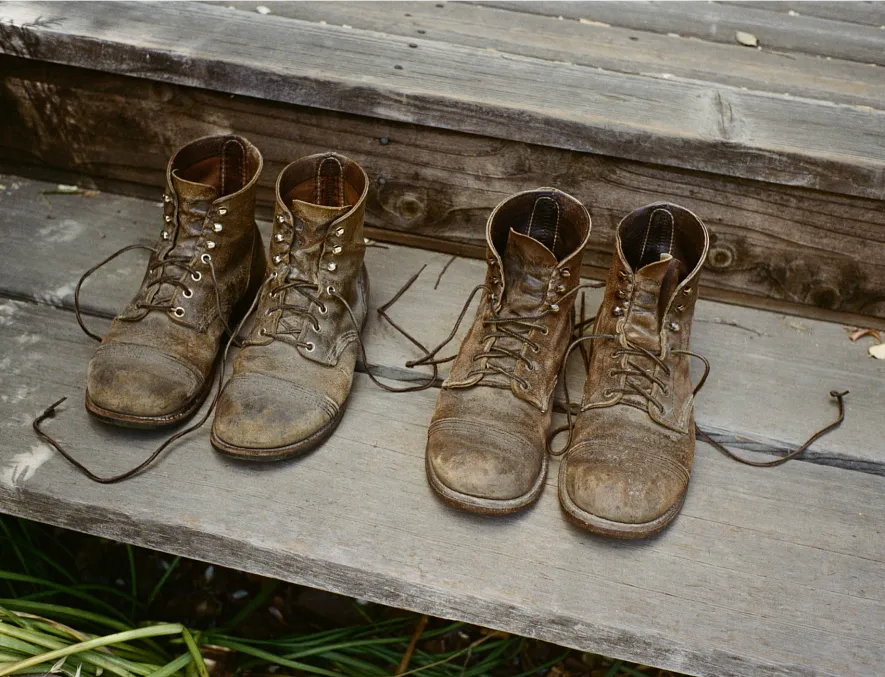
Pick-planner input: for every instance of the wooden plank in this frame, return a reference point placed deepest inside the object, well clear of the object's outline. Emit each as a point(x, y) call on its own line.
point(680, 124)
point(599, 46)
point(866, 13)
point(719, 22)
point(767, 573)
point(769, 383)
point(434, 188)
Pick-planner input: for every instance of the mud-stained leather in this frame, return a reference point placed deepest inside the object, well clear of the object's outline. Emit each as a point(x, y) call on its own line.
point(631, 456)
point(488, 433)
point(154, 364)
point(294, 373)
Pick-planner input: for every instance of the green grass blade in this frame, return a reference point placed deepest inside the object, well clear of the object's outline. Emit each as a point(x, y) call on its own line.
point(159, 586)
point(73, 591)
point(171, 668)
point(195, 652)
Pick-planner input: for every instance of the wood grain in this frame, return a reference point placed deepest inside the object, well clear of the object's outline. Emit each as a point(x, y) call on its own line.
point(611, 48)
point(768, 386)
point(799, 249)
point(681, 124)
point(866, 13)
point(769, 573)
point(718, 22)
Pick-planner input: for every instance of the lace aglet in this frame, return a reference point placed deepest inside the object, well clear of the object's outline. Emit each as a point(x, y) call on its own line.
point(50, 410)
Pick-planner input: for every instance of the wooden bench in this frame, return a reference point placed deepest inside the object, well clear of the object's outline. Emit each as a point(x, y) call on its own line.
point(766, 573)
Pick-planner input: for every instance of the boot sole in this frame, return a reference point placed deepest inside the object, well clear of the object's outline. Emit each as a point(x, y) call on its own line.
point(268, 455)
point(604, 527)
point(485, 506)
point(151, 422)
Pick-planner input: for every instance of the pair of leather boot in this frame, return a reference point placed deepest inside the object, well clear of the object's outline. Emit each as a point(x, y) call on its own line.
point(626, 468)
point(293, 374)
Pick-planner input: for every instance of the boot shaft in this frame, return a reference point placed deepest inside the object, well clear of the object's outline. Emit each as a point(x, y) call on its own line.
point(317, 240)
point(535, 244)
point(649, 301)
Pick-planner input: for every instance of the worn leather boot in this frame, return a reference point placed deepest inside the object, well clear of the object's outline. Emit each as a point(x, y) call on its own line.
point(291, 380)
point(627, 470)
point(155, 365)
point(486, 446)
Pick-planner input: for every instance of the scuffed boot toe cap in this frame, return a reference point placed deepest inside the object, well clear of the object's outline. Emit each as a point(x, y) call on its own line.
point(129, 381)
point(613, 489)
point(476, 464)
point(266, 418)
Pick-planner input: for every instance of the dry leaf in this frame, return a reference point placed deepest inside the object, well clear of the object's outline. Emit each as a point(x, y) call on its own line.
point(878, 351)
point(590, 22)
point(857, 334)
point(747, 39)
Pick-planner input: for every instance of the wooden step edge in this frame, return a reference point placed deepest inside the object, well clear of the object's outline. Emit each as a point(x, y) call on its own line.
point(721, 130)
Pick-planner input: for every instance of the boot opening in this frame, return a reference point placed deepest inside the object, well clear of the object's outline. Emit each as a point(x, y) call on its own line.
point(547, 216)
point(226, 164)
point(329, 181)
point(661, 232)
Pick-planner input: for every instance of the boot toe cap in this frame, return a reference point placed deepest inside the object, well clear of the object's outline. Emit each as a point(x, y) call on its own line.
point(141, 381)
point(482, 461)
point(623, 488)
point(266, 415)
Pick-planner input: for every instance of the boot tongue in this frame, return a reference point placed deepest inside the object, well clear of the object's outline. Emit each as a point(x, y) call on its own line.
point(527, 264)
point(654, 284)
point(316, 220)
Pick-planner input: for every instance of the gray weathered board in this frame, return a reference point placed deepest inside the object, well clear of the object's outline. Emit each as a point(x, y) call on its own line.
point(726, 130)
point(773, 245)
point(599, 45)
point(767, 573)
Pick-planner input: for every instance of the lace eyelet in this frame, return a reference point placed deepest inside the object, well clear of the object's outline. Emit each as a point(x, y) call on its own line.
point(167, 218)
point(281, 218)
point(210, 244)
point(339, 232)
point(565, 272)
point(205, 258)
point(536, 349)
point(273, 275)
point(330, 290)
point(611, 373)
point(222, 211)
point(262, 332)
point(530, 366)
point(197, 276)
point(278, 237)
point(608, 393)
point(277, 259)
point(165, 235)
point(187, 293)
point(310, 347)
point(546, 331)
point(680, 308)
point(217, 227)
point(322, 309)
point(167, 198)
point(178, 311)
point(332, 267)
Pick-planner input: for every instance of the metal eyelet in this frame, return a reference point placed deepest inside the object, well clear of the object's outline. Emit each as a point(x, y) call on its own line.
point(565, 272)
point(493, 262)
point(178, 311)
point(618, 311)
point(206, 258)
point(167, 198)
point(217, 227)
point(339, 232)
point(165, 235)
point(309, 347)
point(222, 211)
point(337, 249)
point(621, 294)
point(322, 309)
point(196, 277)
point(279, 237)
point(281, 218)
point(536, 349)
point(686, 291)
point(187, 293)
point(608, 393)
point(332, 267)
point(680, 308)
point(546, 331)
point(530, 366)
point(277, 259)
point(210, 244)
point(554, 307)
point(262, 332)
point(673, 326)
point(495, 280)
point(330, 290)
point(167, 218)
point(622, 275)
point(560, 289)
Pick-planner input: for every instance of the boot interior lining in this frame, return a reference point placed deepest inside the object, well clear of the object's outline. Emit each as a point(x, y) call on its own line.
point(541, 215)
point(225, 164)
point(331, 182)
point(657, 232)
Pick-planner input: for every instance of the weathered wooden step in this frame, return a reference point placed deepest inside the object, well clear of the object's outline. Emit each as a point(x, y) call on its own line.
point(774, 246)
point(766, 573)
point(770, 373)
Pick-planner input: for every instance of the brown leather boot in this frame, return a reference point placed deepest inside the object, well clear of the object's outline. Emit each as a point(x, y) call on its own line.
point(155, 365)
point(626, 472)
point(291, 380)
point(486, 446)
